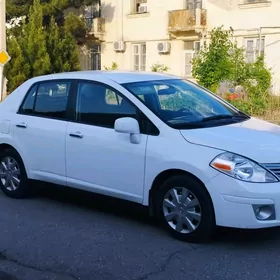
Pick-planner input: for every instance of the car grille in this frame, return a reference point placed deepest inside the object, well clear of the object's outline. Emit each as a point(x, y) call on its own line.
point(274, 168)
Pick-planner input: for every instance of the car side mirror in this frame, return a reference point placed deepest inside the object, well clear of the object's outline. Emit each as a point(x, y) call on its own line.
point(130, 126)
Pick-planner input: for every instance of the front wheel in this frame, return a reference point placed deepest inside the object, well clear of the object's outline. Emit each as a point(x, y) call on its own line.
point(13, 178)
point(185, 209)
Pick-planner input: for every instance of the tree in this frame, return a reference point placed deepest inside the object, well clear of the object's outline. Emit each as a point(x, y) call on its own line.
point(222, 60)
point(52, 8)
point(54, 47)
point(69, 53)
point(17, 70)
point(62, 49)
point(76, 26)
point(17, 8)
point(213, 64)
point(34, 45)
point(257, 84)
point(38, 50)
point(238, 66)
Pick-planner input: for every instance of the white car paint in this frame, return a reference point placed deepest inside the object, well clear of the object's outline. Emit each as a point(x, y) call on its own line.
point(106, 162)
point(115, 158)
point(257, 139)
point(39, 135)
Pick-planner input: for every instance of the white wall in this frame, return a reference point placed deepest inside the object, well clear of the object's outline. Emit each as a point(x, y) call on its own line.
point(153, 27)
point(150, 28)
point(125, 60)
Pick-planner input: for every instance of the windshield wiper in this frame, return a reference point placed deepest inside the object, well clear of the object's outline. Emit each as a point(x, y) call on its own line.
point(223, 117)
point(202, 123)
point(217, 117)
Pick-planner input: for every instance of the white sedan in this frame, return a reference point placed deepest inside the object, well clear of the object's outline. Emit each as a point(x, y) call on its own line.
point(154, 139)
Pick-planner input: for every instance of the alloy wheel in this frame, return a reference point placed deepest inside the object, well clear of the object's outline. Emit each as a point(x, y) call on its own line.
point(10, 173)
point(182, 210)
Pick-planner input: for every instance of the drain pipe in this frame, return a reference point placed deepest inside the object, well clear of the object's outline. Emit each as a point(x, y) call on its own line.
point(122, 19)
point(260, 40)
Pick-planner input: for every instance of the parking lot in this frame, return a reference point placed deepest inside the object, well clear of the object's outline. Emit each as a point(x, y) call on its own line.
point(66, 234)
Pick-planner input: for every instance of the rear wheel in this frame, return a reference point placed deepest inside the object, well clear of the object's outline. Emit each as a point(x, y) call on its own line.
point(185, 209)
point(13, 178)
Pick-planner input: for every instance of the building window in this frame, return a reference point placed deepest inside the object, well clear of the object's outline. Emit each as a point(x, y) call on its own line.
point(95, 55)
point(254, 48)
point(193, 4)
point(91, 12)
point(196, 46)
point(191, 49)
point(139, 6)
point(139, 57)
point(90, 58)
point(188, 57)
point(192, 46)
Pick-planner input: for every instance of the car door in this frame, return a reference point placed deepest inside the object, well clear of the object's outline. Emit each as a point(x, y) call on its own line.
point(98, 158)
point(40, 129)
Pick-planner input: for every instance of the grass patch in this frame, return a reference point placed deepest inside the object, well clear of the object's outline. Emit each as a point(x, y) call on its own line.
point(272, 112)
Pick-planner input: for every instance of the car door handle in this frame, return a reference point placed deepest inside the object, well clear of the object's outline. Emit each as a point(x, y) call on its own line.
point(76, 134)
point(22, 125)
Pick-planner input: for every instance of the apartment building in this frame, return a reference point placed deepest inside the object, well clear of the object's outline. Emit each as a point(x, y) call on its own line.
point(144, 32)
point(139, 33)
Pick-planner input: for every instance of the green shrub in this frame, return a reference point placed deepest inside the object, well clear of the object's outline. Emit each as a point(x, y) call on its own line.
point(114, 66)
point(157, 67)
point(222, 60)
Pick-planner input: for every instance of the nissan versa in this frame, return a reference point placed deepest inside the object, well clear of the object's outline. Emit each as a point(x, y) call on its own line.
point(158, 140)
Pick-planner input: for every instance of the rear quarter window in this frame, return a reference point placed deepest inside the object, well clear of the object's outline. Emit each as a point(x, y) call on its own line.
point(28, 103)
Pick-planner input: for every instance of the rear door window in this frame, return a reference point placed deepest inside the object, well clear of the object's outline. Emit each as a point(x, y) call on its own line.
point(47, 99)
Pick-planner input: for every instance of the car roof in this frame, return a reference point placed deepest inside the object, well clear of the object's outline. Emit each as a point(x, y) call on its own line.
point(120, 77)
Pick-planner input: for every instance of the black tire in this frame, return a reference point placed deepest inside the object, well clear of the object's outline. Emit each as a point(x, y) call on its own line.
point(206, 226)
point(22, 189)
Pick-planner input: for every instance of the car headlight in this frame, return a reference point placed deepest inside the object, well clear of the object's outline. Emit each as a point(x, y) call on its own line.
point(242, 168)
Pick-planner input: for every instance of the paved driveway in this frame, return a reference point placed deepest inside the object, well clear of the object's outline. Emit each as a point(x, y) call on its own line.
point(66, 235)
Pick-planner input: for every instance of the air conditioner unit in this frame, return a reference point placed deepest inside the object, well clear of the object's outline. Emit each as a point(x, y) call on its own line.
point(164, 47)
point(119, 46)
point(142, 9)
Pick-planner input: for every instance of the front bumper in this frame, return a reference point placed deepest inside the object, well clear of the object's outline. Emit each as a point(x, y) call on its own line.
point(235, 202)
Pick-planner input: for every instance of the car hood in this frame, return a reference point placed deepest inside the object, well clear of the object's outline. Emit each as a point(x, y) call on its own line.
point(253, 138)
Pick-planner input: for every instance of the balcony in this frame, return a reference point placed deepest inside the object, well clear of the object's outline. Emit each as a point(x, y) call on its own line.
point(187, 20)
point(96, 27)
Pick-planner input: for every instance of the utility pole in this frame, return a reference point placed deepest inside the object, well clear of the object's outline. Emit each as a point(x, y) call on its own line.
point(2, 42)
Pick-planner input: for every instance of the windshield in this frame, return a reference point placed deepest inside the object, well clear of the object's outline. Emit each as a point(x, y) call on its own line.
point(182, 104)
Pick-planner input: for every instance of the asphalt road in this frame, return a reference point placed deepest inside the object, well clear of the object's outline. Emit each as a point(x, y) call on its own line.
point(60, 234)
